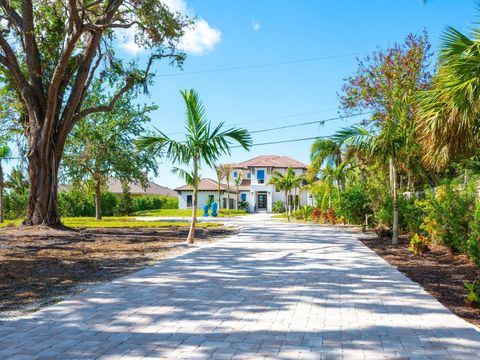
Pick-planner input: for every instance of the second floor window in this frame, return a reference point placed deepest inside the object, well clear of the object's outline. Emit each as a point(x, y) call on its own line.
point(235, 174)
point(261, 176)
point(249, 175)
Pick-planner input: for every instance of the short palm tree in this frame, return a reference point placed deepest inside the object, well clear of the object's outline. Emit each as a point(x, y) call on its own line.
point(284, 182)
point(222, 171)
point(202, 145)
point(238, 181)
point(327, 152)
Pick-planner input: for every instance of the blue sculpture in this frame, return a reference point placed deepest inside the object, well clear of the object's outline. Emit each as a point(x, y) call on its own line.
point(205, 210)
point(214, 209)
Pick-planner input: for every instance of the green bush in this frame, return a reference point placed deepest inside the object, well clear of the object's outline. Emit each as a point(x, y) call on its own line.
point(448, 215)
point(75, 203)
point(411, 214)
point(243, 205)
point(473, 296)
point(353, 204)
point(305, 212)
point(15, 204)
point(419, 244)
point(473, 245)
point(278, 207)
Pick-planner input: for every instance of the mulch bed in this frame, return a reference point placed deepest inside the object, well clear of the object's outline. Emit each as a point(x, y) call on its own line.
point(440, 272)
point(38, 265)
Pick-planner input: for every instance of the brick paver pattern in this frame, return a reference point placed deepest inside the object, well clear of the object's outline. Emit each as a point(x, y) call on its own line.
point(276, 290)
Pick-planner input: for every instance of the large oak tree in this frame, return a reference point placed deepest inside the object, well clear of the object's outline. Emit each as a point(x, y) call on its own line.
point(51, 51)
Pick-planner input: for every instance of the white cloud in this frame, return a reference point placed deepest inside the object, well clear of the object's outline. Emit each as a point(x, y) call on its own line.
point(197, 40)
point(200, 39)
point(255, 25)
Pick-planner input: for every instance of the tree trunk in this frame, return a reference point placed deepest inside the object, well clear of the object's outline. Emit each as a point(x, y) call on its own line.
point(191, 232)
point(1, 192)
point(98, 200)
point(228, 194)
point(43, 174)
point(219, 194)
point(236, 205)
point(287, 205)
point(393, 172)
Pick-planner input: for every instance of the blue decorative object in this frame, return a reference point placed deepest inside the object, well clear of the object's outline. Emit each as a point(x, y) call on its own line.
point(205, 210)
point(214, 209)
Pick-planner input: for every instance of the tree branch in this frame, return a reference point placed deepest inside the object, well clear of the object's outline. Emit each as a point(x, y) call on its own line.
point(12, 14)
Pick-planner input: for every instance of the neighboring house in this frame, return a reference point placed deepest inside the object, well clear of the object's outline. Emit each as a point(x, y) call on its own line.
point(114, 186)
point(254, 189)
point(207, 191)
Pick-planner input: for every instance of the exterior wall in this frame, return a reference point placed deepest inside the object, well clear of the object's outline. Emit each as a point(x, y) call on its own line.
point(202, 198)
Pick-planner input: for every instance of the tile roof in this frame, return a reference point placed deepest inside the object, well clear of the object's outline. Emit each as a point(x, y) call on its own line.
point(277, 161)
point(206, 185)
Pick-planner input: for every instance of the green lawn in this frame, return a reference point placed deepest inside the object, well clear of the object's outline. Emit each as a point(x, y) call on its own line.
point(188, 212)
point(117, 222)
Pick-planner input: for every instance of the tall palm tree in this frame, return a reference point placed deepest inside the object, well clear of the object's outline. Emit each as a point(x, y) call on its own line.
point(327, 152)
point(387, 145)
point(4, 153)
point(284, 182)
point(227, 171)
point(221, 171)
point(298, 182)
point(449, 114)
point(202, 145)
point(238, 181)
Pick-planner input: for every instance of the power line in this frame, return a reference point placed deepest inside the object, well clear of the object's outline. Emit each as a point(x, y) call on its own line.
point(308, 123)
point(255, 66)
point(285, 141)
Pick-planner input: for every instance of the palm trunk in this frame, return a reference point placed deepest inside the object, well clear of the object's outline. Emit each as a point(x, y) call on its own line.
point(219, 193)
point(228, 195)
point(1, 193)
point(287, 205)
point(393, 172)
point(191, 232)
point(236, 200)
point(295, 200)
point(98, 199)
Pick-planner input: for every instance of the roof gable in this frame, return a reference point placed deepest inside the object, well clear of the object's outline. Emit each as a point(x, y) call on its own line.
point(275, 161)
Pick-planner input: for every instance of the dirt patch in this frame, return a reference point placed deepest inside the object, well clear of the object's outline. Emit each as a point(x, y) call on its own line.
point(440, 272)
point(40, 265)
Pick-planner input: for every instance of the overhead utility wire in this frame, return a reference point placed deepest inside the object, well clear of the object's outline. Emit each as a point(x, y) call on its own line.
point(308, 123)
point(256, 66)
point(285, 141)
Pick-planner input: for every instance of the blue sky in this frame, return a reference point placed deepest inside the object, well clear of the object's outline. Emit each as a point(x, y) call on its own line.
point(252, 32)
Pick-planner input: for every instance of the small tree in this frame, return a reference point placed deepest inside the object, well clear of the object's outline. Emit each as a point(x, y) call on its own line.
point(202, 144)
point(284, 182)
point(101, 146)
point(238, 181)
point(4, 153)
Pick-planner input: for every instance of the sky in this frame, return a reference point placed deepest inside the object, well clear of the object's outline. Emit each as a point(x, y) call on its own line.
point(317, 42)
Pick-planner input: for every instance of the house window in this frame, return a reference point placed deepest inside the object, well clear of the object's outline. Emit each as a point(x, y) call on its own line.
point(189, 200)
point(235, 174)
point(261, 176)
point(293, 172)
point(211, 199)
point(277, 189)
point(249, 175)
point(244, 197)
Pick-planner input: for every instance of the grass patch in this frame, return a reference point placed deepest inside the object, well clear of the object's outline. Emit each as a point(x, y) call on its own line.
point(188, 212)
point(117, 222)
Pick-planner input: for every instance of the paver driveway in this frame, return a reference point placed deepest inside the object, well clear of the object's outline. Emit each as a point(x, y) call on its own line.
point(275, 291)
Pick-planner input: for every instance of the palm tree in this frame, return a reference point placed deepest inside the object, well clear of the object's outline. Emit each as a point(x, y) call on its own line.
point(387, 145)
point(227, 170)
point(448, 118)
point(202, 145)
point(284, 182)
point(4, 153)
point(297, 185)
point(327, 152)
point(220, 171)
point(238, 181)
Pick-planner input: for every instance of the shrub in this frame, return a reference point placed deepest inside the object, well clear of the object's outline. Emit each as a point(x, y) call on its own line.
point(383, 231)
point(317, 214)
point(278, 207)
point(473, 296)
point(473, 244)
point(448, 215)
point(329, 216)
point(353, 204)
point(419, 244)
point(15, 204)
point(243, 205)
point(305, 212)
point(411, 214)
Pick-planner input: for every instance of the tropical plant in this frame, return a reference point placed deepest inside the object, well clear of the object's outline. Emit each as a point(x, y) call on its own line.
point(285, 182)
point(473, 296)
point(419, 244)
point(353, 205)
point(327, 152)
point(278, 207)
point(243, 205)
point(238, 181)
point(202, 145)
point(387, 83)
point(305, 212)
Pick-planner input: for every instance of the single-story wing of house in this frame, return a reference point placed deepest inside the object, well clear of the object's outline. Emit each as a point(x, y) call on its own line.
point(207, 192)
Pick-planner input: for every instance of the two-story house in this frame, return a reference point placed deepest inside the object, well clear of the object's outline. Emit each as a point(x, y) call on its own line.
point(254, 188)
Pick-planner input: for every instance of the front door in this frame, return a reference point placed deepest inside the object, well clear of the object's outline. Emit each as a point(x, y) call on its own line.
point(262, 201)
